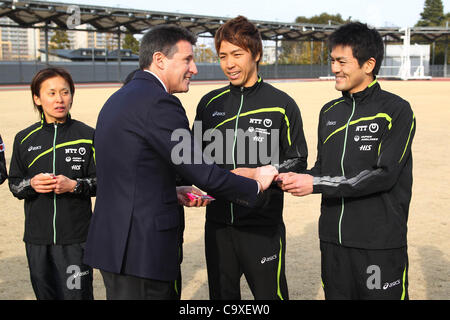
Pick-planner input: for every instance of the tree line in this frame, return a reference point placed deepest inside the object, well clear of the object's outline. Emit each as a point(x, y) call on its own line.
point(300, 52)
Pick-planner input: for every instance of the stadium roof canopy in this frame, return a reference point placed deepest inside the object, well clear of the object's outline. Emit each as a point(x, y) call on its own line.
point(40, 14)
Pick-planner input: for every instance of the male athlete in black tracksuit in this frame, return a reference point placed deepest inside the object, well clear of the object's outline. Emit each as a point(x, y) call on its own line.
point(249, 123)
point(364, 173)
point(255, 237)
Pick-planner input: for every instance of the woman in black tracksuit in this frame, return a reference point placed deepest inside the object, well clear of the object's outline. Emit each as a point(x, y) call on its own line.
point(53, 169)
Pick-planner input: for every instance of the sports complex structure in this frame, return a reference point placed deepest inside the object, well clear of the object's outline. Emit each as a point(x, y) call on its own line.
point(38, 21)
point(98, 63)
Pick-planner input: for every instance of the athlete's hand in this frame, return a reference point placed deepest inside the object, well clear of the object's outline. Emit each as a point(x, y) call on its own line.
point(264, 175)
point(245, 172)
point(184, 200)
point(43, 183)
point(296, 184)
point(64, 184)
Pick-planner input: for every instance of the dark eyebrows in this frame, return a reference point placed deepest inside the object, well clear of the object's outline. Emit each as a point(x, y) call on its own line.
point(233, 52)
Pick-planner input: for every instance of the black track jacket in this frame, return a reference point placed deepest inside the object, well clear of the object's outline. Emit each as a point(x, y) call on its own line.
point(364, 169)
point(249, 127)
point(63, 148)
point(3, 172)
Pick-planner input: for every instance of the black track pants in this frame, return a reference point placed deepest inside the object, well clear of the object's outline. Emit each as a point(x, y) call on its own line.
point(58, 273)
point(350, 273)
point(256, 252)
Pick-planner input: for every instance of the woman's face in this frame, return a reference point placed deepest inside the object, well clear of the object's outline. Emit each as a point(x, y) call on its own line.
point(55, 98)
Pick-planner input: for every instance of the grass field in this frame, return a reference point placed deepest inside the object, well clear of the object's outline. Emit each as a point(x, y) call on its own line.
point(429, 218)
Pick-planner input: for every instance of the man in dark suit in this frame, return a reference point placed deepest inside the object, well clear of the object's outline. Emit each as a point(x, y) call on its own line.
point(134, 237)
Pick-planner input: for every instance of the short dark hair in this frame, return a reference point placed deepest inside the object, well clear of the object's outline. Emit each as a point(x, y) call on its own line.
point(242, 33)
point(45, 74)
point(366, 43)
point(162, 38)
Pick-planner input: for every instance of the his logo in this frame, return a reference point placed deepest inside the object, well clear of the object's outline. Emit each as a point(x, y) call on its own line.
point(373, 127)
point(366, 147)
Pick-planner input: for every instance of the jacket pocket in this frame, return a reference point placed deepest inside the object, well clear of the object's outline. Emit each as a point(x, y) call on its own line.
point(167, 221)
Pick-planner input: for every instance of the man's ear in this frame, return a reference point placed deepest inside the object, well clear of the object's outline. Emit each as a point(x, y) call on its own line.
point(369, 65)
point(158, 60)
point(258, 57)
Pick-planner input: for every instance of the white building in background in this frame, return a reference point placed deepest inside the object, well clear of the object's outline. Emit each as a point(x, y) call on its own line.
point(14, 41)
point(418, 63)
point(85, 39)
point(269, 54)
point(24, 44)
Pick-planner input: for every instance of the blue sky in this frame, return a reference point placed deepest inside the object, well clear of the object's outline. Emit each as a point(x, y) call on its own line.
point(378, 13)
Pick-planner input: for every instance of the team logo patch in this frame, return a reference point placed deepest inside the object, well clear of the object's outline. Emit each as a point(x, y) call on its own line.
point(373, 127)
point(82, 151)
point(267, 123)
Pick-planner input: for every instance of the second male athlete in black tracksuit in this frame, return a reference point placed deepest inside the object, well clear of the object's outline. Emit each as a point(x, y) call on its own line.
point(364, 173)
point(258, 125)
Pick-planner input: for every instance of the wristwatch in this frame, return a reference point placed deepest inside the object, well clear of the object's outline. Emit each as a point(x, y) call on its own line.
point(77, 187)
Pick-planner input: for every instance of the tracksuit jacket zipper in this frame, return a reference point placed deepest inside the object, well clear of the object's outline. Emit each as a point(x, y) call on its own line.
point(234, 143)
point(342, 167)
point(54, 174)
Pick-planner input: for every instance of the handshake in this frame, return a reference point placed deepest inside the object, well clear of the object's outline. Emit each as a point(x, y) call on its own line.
point(294, 183)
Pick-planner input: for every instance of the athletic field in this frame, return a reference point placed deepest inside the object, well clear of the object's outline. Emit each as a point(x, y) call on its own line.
point(429, 218)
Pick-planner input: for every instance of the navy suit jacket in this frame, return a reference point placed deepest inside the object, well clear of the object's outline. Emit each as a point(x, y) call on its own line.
point(135, 228)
